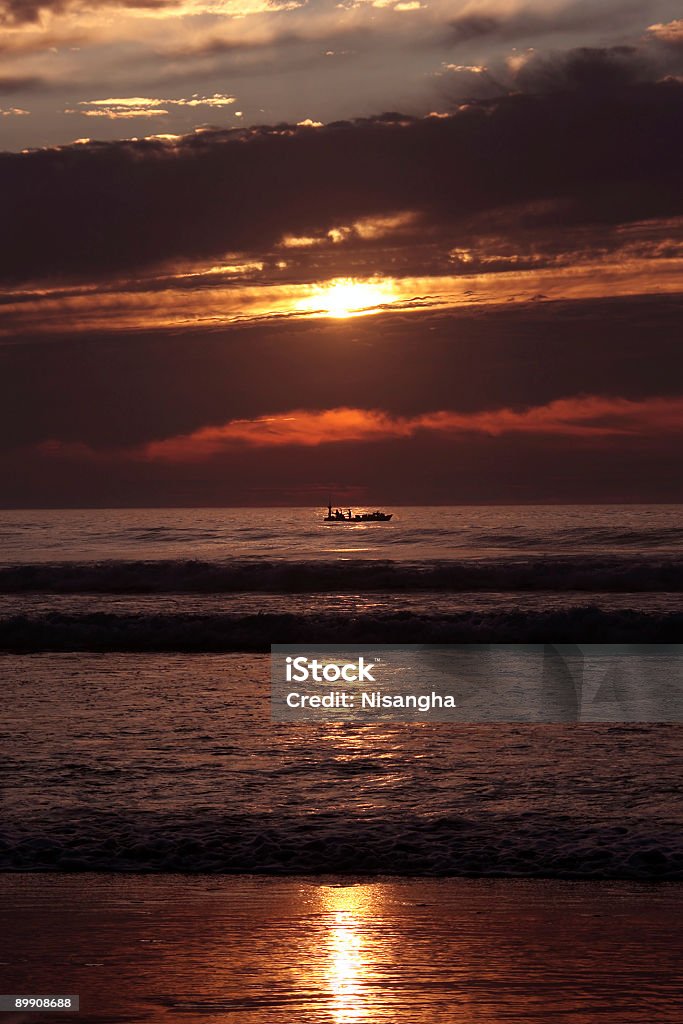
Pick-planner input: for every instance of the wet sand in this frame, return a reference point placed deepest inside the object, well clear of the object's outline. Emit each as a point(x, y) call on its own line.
point(147, 948)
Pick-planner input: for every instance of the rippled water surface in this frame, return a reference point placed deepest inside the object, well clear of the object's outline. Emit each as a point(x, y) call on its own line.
point(155, 949)
point(171, 762)
point(298, 534)
point(236, 579)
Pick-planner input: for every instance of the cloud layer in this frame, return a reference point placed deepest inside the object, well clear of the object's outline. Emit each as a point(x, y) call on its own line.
point(589, 417)
point(557, 160)
point(178, 310)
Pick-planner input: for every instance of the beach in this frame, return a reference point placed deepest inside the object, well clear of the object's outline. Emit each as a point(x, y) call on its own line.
point(256, 950)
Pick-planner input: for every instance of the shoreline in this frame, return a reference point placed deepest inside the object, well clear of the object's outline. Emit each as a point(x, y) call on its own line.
point(150, 949)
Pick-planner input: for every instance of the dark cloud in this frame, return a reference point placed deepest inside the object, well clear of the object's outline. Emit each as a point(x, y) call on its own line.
point(589, 69)
point(123, 390)
point(107, 392)
point(589, 155)
point(419, 470)
point(22, 12)
point(215, 45)
point(594, 70)
point(473, 26)
point(527, 22)
point(17, 12)
point(10, 84)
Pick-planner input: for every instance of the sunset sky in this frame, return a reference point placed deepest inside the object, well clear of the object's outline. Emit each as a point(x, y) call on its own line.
point(399, 250)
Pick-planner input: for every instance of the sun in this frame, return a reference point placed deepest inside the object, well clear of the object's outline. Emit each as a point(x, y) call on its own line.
point(347, 296)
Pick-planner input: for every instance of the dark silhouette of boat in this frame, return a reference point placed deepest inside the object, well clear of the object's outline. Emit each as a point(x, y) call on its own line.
point(346, 515)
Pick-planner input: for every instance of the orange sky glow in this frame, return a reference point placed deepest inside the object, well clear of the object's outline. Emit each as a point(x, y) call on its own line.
point(583, 416)
point(131, 306)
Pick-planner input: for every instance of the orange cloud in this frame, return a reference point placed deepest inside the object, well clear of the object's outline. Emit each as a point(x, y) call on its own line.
point(581, 416)
point(145, 106)
point(670, 32)
point(130, 305)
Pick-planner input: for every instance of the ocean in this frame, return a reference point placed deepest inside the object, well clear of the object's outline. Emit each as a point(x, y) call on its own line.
point(241, 579)
point(171, 763)
point(138, 734)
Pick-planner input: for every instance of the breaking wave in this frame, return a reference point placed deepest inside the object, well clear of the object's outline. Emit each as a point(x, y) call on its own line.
point(102, 631)
point(588, 573)
point(530, 846)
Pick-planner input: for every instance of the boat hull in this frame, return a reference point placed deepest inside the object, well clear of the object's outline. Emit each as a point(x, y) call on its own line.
point(359, 519)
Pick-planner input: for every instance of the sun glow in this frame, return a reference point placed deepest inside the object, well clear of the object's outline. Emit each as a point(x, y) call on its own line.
point(346, 296)
point(349, 915)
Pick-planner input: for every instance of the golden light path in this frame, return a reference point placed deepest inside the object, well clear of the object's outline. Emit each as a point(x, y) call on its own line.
point(348, 973)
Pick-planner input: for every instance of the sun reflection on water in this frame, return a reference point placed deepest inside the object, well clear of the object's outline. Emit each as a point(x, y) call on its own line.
point(346, 967)
point(347, 955)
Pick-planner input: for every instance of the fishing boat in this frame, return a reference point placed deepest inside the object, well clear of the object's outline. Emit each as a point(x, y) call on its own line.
point(347, 515)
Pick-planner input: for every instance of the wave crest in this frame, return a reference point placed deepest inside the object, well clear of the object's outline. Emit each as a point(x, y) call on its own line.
point(102, 631)
point(588, 573)
point(503, 847)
